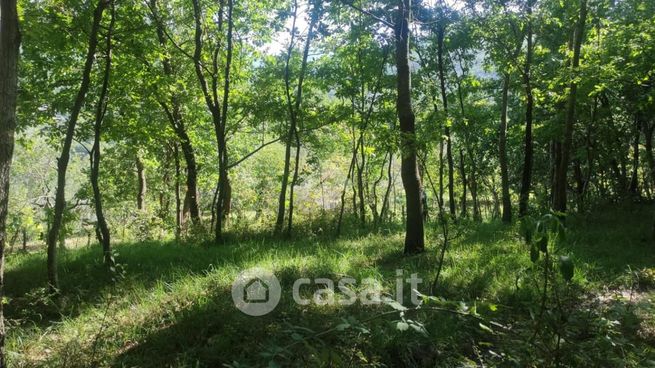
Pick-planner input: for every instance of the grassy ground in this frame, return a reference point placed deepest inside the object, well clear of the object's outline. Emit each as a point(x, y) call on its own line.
point(173, 306)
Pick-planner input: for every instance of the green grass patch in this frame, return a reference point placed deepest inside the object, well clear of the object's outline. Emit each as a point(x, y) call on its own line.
point(174, 308)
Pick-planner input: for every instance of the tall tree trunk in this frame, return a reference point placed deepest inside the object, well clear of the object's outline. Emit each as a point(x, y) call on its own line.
point(9, 54)
point(649, 128)
point(178, 199)
point(225, 189)
point(528, 152)
point(477, 213)
point(188, 152)
point(559, 198)
point(502, 148)
point(62, 162)
point(295, 114)
point(360, 180)
point(634, 180)
point(343, 193)
point(390, 179)
point(281, 208)
point(101, 108)
point(414, 232)
point(141, 184)
point(173, 111)
point(444, 98)
point(462, 173)
point(294, 181)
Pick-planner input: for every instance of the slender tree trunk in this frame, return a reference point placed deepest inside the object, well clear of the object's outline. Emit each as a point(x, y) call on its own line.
point(502, 147)
point(294, 181)
point(528, 152)
point(9, 53)
point(189, 155)
point(178, 199)
point(559, 198)
point(462, 173)
point(477, 213)
point(295, 114)
point(414, 235)
point(62, 162)
point(444, 98)
point(648, 143)
point(374, 200)
point(360, 180)
point(343, 194)
point(634, 180)
point(441, 169)
point(101, 108)
point(385, 201)
point(141, 184)
point(174, 113)
point(224, 186)
point(281, 209)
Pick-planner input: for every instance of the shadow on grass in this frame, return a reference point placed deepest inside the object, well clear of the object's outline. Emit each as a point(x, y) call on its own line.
point(85, 280)
point(612, 239)
point(216, 333)
point(482, 263)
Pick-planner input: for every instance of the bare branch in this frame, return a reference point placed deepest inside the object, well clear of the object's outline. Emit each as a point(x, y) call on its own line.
point(383, 21)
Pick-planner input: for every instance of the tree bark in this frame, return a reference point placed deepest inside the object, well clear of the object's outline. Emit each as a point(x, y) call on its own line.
point(648, 143)
point(178, 204)
point(559, 192)
point(529, 150)
point(387, 192)
point(444, 98)
point(634, 180)
point(462, 171)
point(9, 53)
point(176, 120)
point(294, 109)
point(225, 189)
point(62, 162)
point(360, 180)
point(141, 184)
point(502, 148)
point(414, 232)
point(343, 194)
point(101, 108)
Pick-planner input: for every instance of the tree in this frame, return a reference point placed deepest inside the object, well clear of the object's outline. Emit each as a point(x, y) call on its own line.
point(10, 39)
point(62, 163)
point(294, 105)
point(441, 33)
point(218, 107)
point(529, 112)
point(95, 154)
point(566, 147)
point(414, 236)
point(172, 106)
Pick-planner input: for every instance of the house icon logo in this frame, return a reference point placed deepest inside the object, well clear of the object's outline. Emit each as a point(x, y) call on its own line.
point(256, 292)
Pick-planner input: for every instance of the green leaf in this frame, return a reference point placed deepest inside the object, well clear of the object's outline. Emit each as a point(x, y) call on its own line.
point(342, 326)
point(402, 326)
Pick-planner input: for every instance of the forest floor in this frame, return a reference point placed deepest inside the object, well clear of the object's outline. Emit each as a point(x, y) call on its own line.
point(170, 305)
